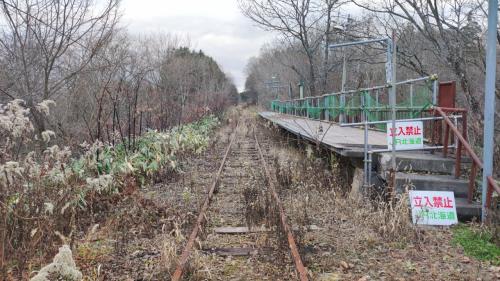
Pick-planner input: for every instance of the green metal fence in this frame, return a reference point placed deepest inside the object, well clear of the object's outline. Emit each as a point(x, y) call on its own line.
point(413, 98)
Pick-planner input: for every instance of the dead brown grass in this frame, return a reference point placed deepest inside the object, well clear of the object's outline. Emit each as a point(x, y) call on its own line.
point(360, 237)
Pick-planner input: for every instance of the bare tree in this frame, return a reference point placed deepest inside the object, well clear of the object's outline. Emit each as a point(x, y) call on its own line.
point(329, 6)
point(47, 43)
point(447, 31)
point(366, 65)
point(306, 22)
point(105, 82)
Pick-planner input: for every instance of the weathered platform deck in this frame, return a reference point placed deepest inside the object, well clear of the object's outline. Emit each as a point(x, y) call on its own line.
point(347, 141)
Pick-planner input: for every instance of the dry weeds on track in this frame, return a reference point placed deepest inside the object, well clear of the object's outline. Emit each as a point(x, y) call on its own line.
point(242, 200)
point(353, 239)
point(141, 239)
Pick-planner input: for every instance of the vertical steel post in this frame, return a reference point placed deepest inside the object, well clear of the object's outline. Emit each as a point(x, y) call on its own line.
point(342, 117)
point(342, 95)
point(455, 137)
point(327, 108)
point(391, 48)
point(370, 160)
point(489, 101)
point(411, 95)
point(435, 90)
point(365, 159)
point(389, 61)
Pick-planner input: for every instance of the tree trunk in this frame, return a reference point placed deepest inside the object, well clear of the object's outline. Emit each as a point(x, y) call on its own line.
point(312, 75)
point(326, 51)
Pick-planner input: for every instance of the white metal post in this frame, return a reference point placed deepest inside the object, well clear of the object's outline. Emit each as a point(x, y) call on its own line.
point(342, 118)
point(365, 158)
point(489, 100)
point(392, 98)
point(435, 90)
point(411, 95)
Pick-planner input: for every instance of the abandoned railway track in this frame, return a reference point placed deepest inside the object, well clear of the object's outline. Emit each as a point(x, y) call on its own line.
point(242, 217)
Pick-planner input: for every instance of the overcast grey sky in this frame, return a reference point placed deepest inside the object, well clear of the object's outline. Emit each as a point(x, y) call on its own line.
point(215, 26)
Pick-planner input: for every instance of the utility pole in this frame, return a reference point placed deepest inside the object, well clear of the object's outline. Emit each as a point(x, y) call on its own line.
point(301, 89)
point(275, 85)
point(391, 80)
point(342, 29)
point(489, 101)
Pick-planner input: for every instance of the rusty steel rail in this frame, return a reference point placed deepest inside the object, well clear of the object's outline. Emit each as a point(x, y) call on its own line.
point(291, 241)
point(201, 216)
point(462, 142)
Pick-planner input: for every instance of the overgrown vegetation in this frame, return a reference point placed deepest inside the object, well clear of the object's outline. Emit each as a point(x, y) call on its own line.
point(477, 242)
point(306, 174)
point(360, 236)
point(152, 152)
point(47, 196)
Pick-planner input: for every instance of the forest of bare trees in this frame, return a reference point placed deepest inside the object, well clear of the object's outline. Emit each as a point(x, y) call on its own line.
point(108, 85)
point(433, 37)
point(83, 105)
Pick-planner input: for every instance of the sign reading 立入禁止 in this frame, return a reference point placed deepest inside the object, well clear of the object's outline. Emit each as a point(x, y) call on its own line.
point(433, 207)
point(408, 135)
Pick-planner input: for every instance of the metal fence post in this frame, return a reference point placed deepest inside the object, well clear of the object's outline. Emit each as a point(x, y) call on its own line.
point(342, 96)
point(369, 164)
point(365, 159)
point(392, 96)
point(392, 100)
point(411, 95)
point(435, 90)
point(327, 109)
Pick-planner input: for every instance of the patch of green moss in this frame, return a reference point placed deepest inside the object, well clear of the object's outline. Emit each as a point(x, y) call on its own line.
point(477, 242)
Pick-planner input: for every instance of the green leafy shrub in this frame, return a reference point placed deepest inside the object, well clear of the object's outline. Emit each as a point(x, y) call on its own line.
point(45, 193)
point(153, 152)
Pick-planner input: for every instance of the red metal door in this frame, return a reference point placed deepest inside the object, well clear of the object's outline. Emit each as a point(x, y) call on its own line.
point(446, 98)
point(447, 93)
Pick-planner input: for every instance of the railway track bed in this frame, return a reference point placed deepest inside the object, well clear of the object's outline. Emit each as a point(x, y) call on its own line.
point(240, 235)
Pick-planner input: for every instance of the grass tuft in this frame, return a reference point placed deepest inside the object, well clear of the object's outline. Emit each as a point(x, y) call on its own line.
point(477, 242)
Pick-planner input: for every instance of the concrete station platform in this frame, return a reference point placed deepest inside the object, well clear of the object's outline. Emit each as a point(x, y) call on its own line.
point(347, 141)
point(419, 170)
